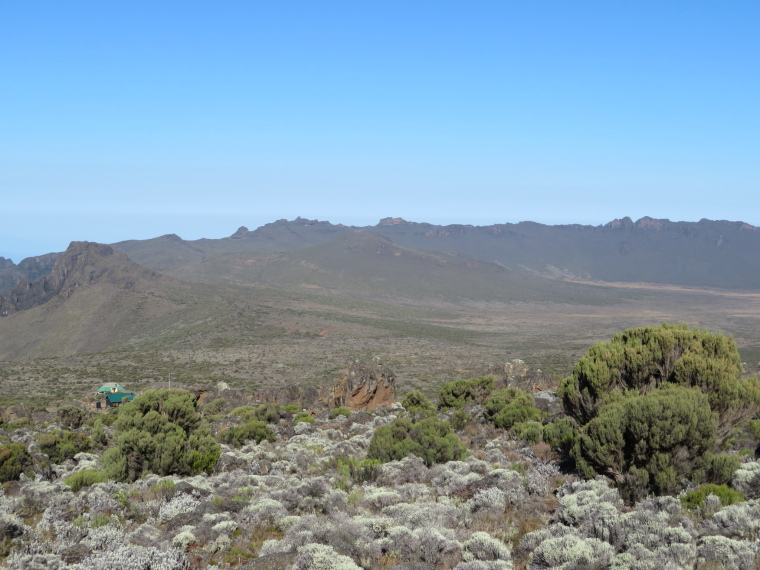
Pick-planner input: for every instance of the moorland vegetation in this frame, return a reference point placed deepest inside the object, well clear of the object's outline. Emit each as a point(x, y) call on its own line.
point(650, 461)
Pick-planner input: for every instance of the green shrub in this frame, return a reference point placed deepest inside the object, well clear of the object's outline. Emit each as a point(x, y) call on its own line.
point(214, 407)
point(532, 432)
point(14, 460)
point(267, 413)
point(85, 478)
point(304, 417)
point(19, 423)
point(416, 399)
point(254, 429)
point(644, 359)
point(340, 411)
point(696, 498)
point(110, 417)
point(160, 432)
point(715, 468)
point(509, 406)
point(163, 490)
point(754, 429)
point(62, 445)
point(71, 416)
point(456, 394)
point(560, 434)
point(357, 471)
point(98, 434)
point(649, 442)
point(431, 439)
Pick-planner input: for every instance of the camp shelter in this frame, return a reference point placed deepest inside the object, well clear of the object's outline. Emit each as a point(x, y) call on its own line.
point(106, 388)
point(118, 398)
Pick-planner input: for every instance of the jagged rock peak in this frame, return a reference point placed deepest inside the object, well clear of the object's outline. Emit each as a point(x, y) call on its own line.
point(241, 232)
point(618, 223)
point(647, 223)
point(5, 263)
point(391, 221)
point(82, 263)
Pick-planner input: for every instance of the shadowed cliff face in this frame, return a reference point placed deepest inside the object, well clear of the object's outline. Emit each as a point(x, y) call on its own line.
point(82, 264)
point(31, 269)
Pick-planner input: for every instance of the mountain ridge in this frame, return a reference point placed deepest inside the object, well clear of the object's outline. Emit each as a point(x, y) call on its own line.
point(708, 253)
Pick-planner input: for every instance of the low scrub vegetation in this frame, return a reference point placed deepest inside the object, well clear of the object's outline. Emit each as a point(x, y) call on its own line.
point(484, 481)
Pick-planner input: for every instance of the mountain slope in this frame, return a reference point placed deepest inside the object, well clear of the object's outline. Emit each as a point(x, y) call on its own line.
point(97, 299)
point(370, 266)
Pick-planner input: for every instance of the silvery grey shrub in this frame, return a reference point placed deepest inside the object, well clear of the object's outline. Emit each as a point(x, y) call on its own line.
point(484, 565)
point(740, 520)
point(322, 557)
point(135, 558)
point(571, 552)
point(264, 510)
point(540, 476)
point(656, 522)
point(403, 542)
point(340, 532)
point(482, 546)
point(727, 553)
point(591, 506)
point(179, 504)
point(105, 538)
point(435, 546)
point(379, 498)
point(425, 514)
point(510, 482)
point(492, 499)
point(410, 469)
point(746, 479)
point(18, 561)
point(532, 540)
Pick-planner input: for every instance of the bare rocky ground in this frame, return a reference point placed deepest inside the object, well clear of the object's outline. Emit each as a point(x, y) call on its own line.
point(305, 501)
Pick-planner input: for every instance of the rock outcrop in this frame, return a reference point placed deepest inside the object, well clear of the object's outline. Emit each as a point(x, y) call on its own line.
point(365, 385)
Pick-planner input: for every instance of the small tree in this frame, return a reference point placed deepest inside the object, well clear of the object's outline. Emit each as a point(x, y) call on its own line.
point(160, 432)
point(510, 406)
point(644, 359)
point(648, 443)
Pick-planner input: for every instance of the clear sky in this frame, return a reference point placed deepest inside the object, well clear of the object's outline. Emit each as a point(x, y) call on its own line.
point(135, 119)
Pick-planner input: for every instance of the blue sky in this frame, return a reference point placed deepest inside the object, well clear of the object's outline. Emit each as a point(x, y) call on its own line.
point(137, 119)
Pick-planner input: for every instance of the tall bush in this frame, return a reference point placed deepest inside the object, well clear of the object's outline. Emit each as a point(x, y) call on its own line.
point(644, 359)
point(160, 432)
point(510, 406)
point(648, 443)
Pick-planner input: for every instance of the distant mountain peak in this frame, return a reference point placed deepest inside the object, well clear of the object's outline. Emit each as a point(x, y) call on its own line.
point(241, 232)
point(392, 222)
point(82, 264)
